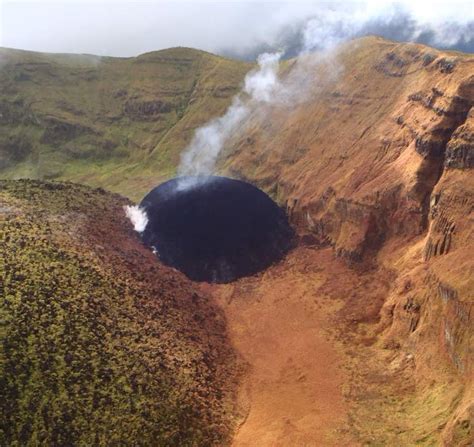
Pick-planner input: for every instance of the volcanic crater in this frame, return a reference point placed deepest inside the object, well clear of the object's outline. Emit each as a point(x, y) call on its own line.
point(361, 335)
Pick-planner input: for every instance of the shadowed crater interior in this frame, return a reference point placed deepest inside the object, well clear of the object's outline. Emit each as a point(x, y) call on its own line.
point(218, 229)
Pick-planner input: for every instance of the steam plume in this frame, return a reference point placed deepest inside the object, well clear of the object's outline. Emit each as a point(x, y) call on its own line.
point(261, 86)
point(321, 30)
point(199, 158)
point(137, 216)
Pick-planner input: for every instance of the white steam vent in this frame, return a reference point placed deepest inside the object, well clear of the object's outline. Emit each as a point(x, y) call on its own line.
point(137, 216)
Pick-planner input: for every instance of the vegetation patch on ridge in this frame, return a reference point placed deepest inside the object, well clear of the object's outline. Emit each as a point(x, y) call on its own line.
point(99, 343)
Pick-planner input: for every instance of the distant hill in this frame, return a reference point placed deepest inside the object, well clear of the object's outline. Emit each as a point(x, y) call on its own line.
point(119, 123)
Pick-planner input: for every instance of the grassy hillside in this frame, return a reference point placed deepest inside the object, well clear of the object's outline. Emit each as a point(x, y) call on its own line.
point(99, 343)
point(119, 123)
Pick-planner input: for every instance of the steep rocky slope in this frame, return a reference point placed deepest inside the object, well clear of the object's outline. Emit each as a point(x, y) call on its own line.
point(377, 163)
point(99, 343)
point(97, 119)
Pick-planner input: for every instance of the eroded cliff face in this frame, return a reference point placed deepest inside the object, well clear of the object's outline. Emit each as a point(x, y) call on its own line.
point(377, 163)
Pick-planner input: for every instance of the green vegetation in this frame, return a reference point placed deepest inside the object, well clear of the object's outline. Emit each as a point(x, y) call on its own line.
point(99, 343)
point(119, 123)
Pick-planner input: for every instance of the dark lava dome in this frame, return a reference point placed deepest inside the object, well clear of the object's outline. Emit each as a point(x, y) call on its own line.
point(216, 230)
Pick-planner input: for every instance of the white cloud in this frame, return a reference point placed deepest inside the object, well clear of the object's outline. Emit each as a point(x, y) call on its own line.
point(121, 28)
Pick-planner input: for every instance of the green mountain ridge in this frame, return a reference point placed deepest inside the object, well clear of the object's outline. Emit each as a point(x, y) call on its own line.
point(101, 120)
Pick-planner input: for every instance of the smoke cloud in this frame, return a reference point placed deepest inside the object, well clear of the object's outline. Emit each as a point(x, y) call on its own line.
point(260, 86)
point(137, 216)
point(300, 27)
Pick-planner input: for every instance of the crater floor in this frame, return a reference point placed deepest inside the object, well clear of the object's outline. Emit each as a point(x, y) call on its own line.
point(314, 374)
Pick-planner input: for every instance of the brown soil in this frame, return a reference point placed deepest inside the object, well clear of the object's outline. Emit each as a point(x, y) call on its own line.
point(319, 370)
point(292, 394)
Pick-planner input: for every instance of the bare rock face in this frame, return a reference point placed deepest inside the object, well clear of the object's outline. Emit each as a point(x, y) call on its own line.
point(460, 149)
point(373, 150)
point(58, 131)
point(146, 109)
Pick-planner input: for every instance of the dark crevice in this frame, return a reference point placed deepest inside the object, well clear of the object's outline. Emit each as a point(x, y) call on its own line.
point(434, 151)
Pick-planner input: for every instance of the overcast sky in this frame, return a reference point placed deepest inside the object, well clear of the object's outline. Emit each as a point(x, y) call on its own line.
point(239, 29)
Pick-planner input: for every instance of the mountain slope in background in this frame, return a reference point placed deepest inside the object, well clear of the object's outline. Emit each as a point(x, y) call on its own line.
point(119, 123)
point(373, 163)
